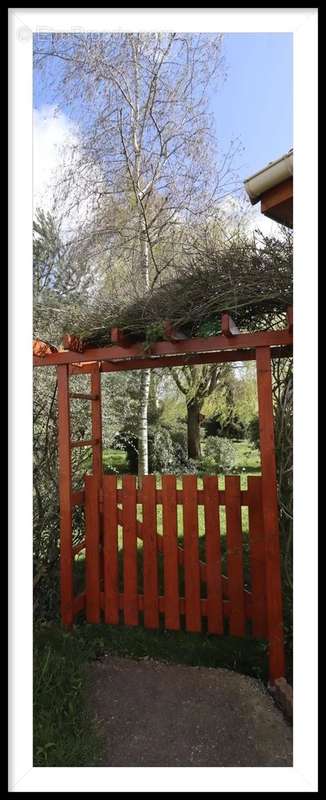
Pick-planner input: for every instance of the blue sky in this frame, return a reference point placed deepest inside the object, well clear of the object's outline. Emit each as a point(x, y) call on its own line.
point(255, 102)
point(253, 105)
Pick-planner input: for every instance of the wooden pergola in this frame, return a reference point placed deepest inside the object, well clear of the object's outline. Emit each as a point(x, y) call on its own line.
point(230, 346)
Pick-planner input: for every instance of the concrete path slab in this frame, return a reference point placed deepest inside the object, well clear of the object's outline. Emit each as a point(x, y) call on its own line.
point(171, 715)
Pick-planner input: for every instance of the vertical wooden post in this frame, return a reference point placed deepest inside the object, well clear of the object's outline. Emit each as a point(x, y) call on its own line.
point(65, 488)
point(97, 453)
point(97, 423)
point(270, 515)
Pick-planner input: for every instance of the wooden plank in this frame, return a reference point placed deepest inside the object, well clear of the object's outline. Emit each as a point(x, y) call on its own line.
point(73, 343)
point(42, 348)
point(97, 423)
point(78, 498)
point(81, 396)
point(179, 496)
point(213, 556)
point(202, 564)
point(84, 443)
point(129, 520)
point(191, 553)
point(65, 491)
point(234, 554)
point(276, 195)
point(257, 557)
point(84, 368)
point(170, 552)
point(92, 550)
point(229, 327)
point(270, 516)
point(174, 361)
point(120, 337)
point(188, 346)
point(111, 570)
point(150, 565)
point(203, 605)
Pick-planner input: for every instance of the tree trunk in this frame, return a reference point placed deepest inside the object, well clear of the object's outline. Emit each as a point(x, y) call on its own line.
point(146, 373)
point(142, 423)
point(193, 429)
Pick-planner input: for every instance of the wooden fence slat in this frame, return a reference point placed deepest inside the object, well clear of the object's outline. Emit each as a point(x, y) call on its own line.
point(92, 539)
point(191, 554)
point(213, 556)
point(234, 554)
point(129, 517)
point(170, 553)
point(111, 572)
point(150, 565)
point(257, 557)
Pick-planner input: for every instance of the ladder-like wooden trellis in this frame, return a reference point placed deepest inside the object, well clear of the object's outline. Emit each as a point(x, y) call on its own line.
point(225, 597)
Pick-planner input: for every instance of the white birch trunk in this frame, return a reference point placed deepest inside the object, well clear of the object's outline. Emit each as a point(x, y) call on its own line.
point(146, 373)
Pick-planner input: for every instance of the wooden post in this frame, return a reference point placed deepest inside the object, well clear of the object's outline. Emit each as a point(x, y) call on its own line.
point(270, 515)
point(65, 490)
point(97, 454)
point(97, 423)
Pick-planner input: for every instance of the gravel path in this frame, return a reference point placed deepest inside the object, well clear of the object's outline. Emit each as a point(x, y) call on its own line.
point(171, 715)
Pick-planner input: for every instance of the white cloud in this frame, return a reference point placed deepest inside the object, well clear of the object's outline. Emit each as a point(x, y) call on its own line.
point(53, 135)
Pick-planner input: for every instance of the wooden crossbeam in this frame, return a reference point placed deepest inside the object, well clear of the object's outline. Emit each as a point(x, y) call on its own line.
point(80, 396)
point(84, 443)
point(121, 365)
point(210, 344)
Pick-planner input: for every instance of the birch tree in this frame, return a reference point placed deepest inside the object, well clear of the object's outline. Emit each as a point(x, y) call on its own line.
point(142, 104)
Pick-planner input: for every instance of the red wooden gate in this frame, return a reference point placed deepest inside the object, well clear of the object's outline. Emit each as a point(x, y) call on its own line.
point(174, 576)
point(195, 585)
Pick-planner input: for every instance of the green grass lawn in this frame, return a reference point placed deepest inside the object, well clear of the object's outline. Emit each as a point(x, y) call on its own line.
point(247, 459)
point(65, 734)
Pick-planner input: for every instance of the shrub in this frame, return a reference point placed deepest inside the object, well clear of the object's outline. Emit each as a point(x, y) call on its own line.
point(253, 431)
point(127, 441)
point(219, 454)
point(233, 428)
point(161, 457)
point(167, 450)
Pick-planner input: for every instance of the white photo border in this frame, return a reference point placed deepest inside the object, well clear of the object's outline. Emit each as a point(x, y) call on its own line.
point(303, 23)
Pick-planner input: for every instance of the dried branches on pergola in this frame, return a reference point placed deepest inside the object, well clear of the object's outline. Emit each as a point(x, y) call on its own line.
point(253, 284)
